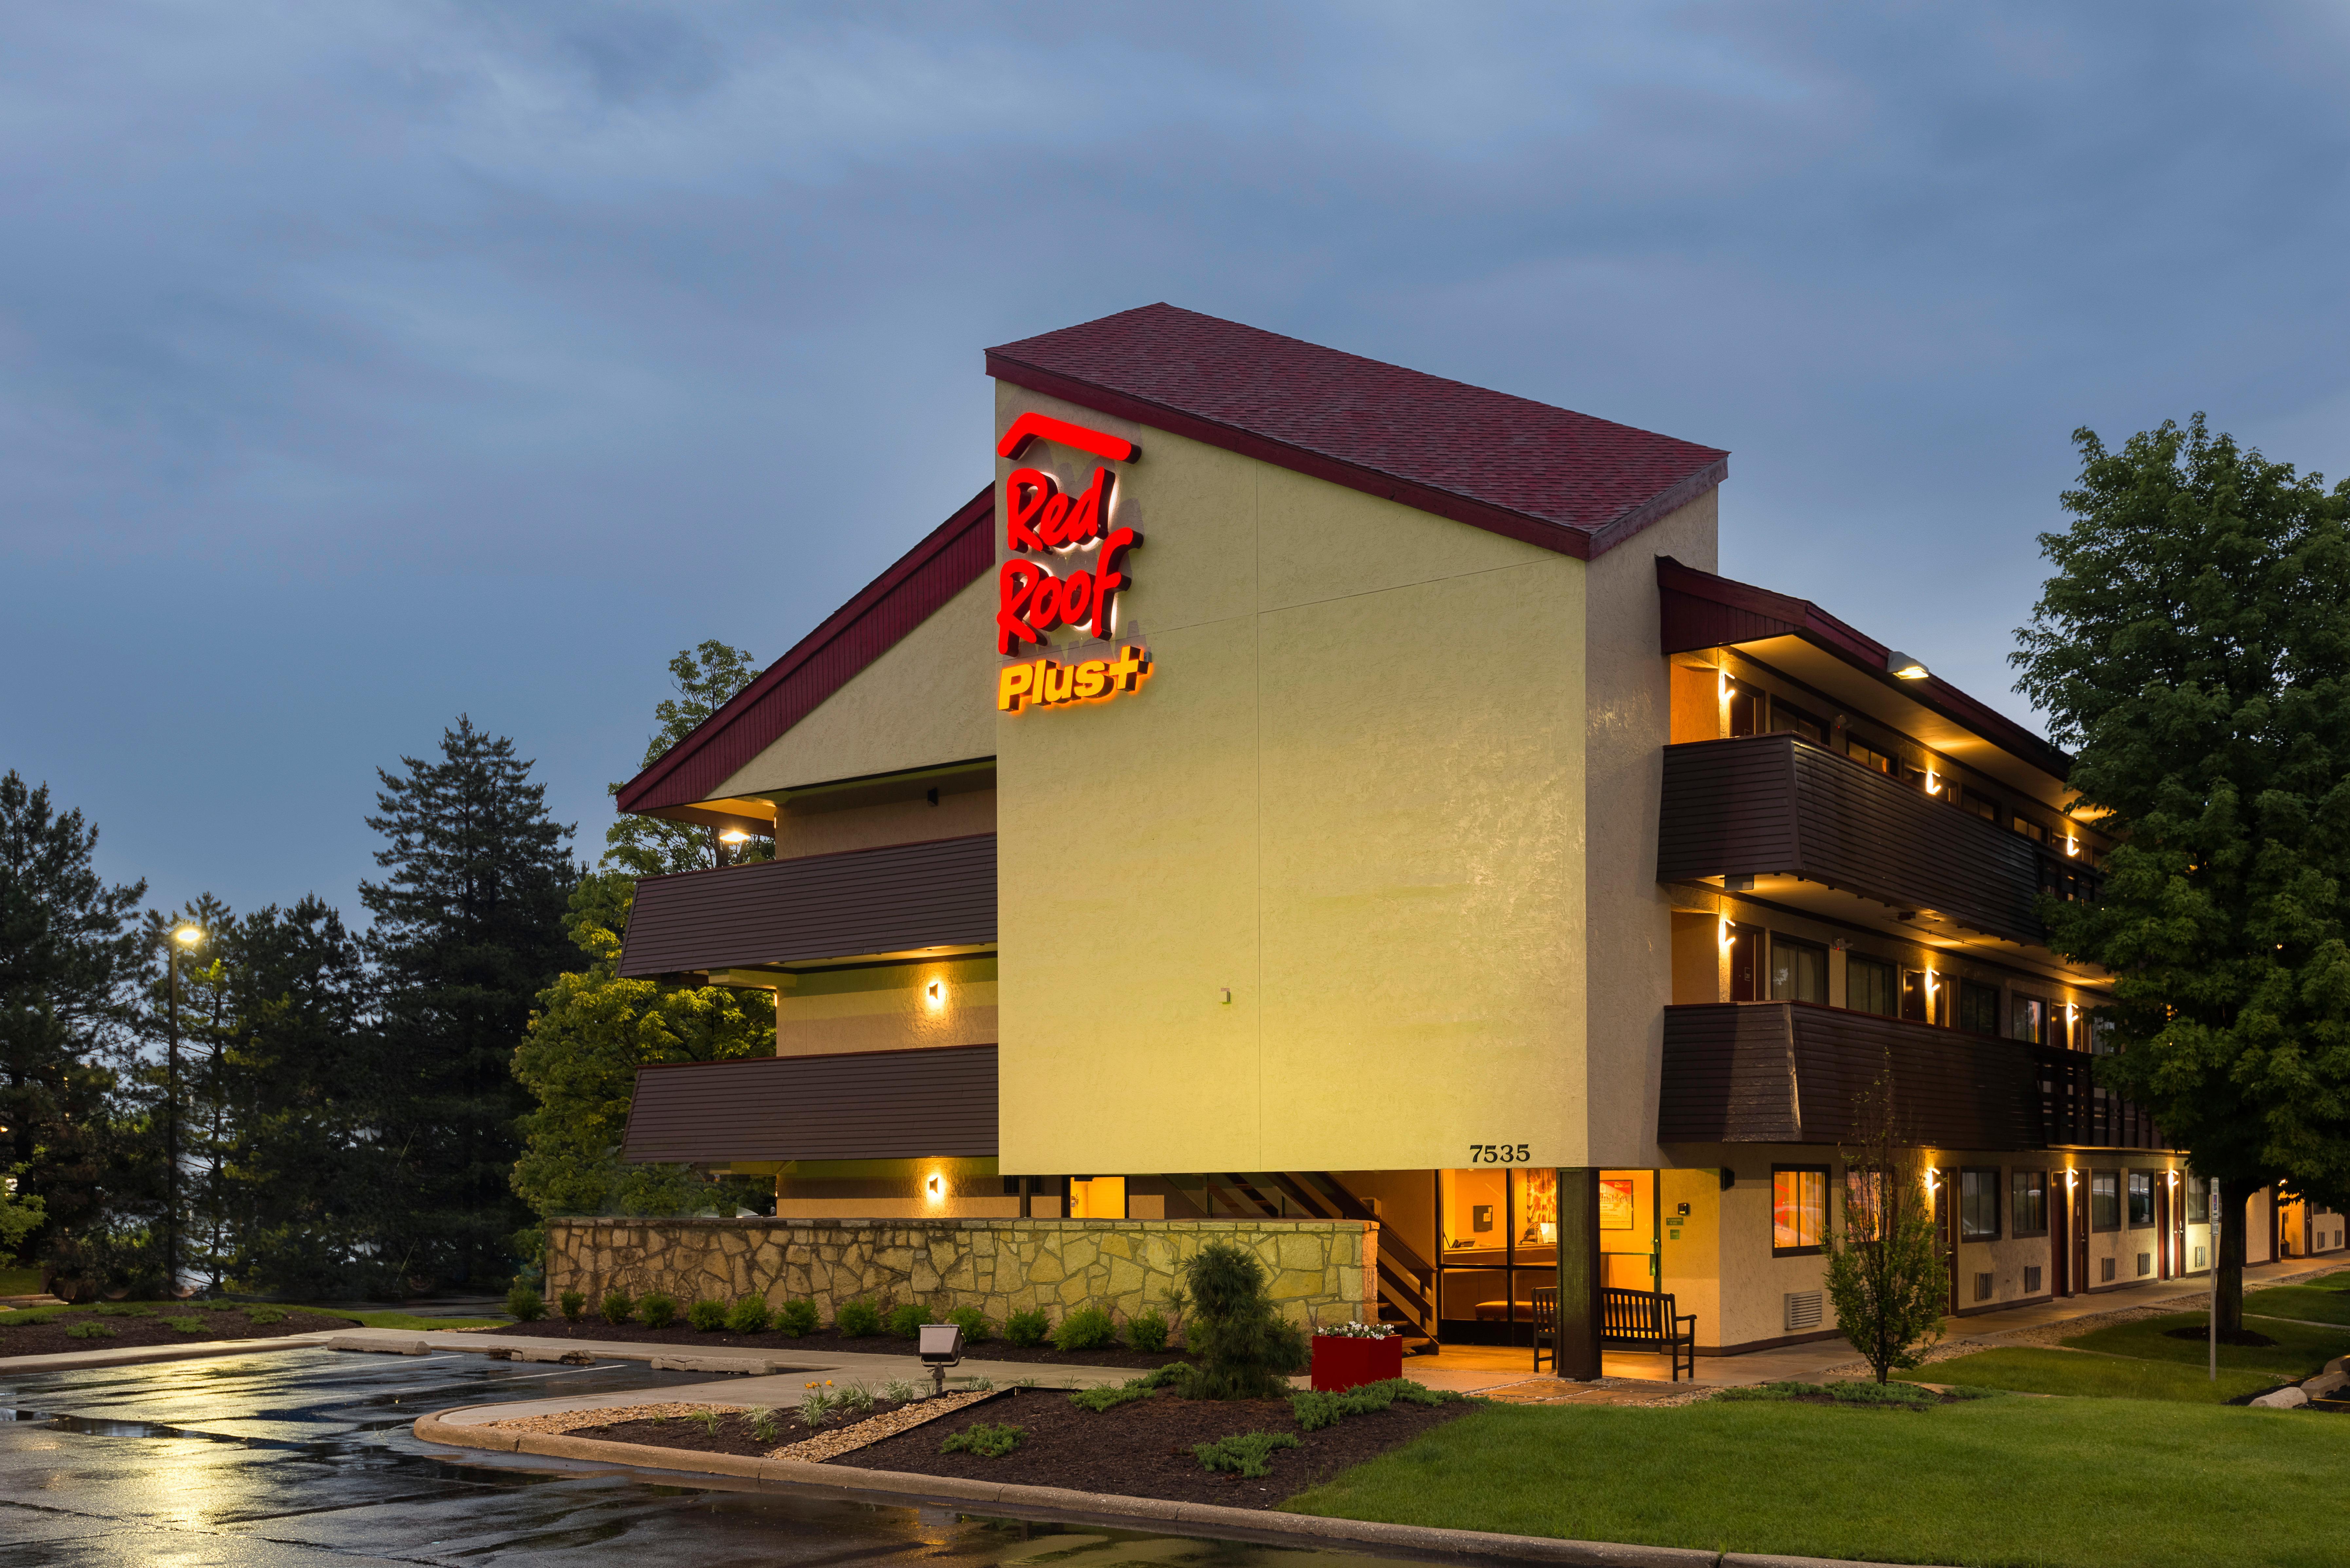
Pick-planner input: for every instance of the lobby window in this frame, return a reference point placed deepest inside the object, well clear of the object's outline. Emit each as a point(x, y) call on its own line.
point(1979, 1204)
point(1867, 755)
point(2027, 1202)
point(1799, 1209)
point(1745, 964)
point(2141, 1199)
point(1978, 1007)
point(2105, 1200)
point(1868, 985)
point(1978, 805)
point(1799, 971)
point(2198, 1200)
point(1786, 716)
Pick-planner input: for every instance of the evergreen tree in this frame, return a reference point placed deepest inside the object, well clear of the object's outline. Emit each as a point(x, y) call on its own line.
point(590, 1035)
point(69, 954)
point(2193, 650)
point(705, 677)
point(468, 930)
point(146, 1101)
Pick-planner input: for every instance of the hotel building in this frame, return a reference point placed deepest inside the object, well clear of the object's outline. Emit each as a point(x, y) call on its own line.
point(1298, 787)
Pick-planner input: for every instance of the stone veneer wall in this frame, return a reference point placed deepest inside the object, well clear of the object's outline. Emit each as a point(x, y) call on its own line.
point(1321, 1270)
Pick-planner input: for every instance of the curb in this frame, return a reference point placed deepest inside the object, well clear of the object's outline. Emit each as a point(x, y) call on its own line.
point(1209, 1519)
point(137, 1354)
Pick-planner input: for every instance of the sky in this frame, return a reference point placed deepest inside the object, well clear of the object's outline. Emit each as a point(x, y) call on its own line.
point(370, 364)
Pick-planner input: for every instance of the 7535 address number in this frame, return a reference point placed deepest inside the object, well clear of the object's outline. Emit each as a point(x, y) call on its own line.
point(1499, 1154)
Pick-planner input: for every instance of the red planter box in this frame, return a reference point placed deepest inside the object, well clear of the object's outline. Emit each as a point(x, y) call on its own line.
point(1340, 1362)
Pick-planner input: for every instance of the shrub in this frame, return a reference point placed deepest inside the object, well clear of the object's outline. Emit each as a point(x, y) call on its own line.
point(617, 1306)
point(1147, 1331)
point(707, 1317)
point(1246, 1349)
point(1857, 1393)
point(984, 1442)
point(265, 1315)
point(524, 1304)
point(748, 1315)
point(764, 1427)
point(1087, 1328)
point(856, 1398)
point(973, 1324)
point(190, 1323)
point(906, 1322)
point(90, 1331)
point(122, 1309)
point(1110, 1398)
point(1767, 1391)
point(797, 1318)
point(1315, 1408)
point(659, 1309)
point(1250, 1454)
point(815, 1405)
point(1028, 1328)
point(858, 1319)
point(574, 1305)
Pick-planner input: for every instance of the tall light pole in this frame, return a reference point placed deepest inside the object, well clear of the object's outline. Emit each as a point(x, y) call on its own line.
point(186, 936)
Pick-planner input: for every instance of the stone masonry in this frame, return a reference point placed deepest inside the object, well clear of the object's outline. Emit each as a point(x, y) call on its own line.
point(1319, 1270)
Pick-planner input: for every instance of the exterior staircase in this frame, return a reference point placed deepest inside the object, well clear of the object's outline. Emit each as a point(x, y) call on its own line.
point(1407, 1284)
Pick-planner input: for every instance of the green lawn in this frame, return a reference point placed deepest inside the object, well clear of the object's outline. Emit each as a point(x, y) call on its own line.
point(20, 1281)
point(363, 1319)
point(410, 1320)
point(2060, 1483)
point(2034, 1370)
point(2301, 1351)
point(2310, 1303)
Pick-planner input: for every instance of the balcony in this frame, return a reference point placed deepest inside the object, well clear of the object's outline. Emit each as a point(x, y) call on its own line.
point(896, 901)
point(1795, 1072)
point(1773, 806)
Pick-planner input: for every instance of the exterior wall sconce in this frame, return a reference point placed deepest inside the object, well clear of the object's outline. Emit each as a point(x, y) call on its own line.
point(1933, 1180)
point(935, 994)
point(1933, 781)
point(1722, 686)
point(1904, 667)
point(1722, 931)
point(2072, 1178)
point(2072, 845)
point(935, 1188)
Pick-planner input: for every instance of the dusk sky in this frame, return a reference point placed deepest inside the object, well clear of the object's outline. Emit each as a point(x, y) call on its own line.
point(366, 364)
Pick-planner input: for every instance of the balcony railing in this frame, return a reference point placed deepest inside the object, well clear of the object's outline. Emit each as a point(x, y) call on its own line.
point(1774, 806)
point(1796, 1073)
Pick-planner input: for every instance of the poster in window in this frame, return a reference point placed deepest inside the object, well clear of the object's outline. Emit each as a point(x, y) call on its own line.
point(1614, 1203)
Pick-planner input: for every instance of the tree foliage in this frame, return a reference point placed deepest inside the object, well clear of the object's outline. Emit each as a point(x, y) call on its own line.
point(591, 1032)
point(69, 955)
point(703, 678)
point(1887, 1274)
point(2193, 650)
point(1245, 1349)
point(468, 930)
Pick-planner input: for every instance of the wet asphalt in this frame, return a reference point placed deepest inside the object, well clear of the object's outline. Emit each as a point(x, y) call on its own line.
point(303, 1460)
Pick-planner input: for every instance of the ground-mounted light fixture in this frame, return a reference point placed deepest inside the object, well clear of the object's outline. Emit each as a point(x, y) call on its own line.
point(1904, 667)
point(941, 1344)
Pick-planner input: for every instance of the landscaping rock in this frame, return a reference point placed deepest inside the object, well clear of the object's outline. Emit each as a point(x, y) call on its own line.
point(2339, 1364)
point(2282, 1399)
point(2325, 1385)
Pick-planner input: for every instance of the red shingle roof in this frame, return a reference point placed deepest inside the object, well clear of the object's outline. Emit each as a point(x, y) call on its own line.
point(1548, 475)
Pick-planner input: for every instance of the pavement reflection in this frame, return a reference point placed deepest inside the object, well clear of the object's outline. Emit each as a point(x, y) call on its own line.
point(305, 1458)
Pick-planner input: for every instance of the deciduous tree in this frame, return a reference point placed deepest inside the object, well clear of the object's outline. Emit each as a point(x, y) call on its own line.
point(2193, 650)
point(703, 678)
point(1886, 1275)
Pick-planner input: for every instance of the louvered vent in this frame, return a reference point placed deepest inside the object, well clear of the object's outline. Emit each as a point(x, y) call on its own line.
point(1803, 1310)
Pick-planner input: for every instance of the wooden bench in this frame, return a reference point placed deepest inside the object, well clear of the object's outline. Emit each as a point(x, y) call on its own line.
point(1629, 1320)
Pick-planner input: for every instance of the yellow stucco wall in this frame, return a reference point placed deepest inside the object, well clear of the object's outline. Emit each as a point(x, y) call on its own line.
point(1354, 793)
point(887, 1007)
point(925, 701)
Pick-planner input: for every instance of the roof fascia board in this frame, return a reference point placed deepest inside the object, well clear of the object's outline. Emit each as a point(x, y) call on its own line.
point(1801, 618)
point(644, 791)
point(1579, 543)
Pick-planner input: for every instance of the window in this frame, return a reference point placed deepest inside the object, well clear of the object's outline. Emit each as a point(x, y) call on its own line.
point(1978, 805)
point(1863, 1193)
point(2141, 1199)
point(2029, 829)
point(1979, 1204)
point(1745, 964)
point(2105, 1200)
point(2101, 1036)
point(1799, 1209)
point(1868, 985)
point(1799, 971)
point(1978, 1007)
point(1924, 997)
point(1743, 702)
point(2199, 1201)
point(2027, 1018)
point(2027, 1202)
point(1786, 717)
point(1867, 755)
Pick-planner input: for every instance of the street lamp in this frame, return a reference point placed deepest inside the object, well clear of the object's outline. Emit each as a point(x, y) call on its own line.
point(182, 937)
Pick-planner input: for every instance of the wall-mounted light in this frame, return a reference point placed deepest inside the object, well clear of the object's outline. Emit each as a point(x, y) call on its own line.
point(1933, 781)
point(2071, 1012)
point(935, 994)
point(2072, 845)
point(1933, 1180)
point(1723, 685)
point(1933, 982)
point(935, 1188)
point(2072, 1178)
point(1904, 667)
point(1722, 931)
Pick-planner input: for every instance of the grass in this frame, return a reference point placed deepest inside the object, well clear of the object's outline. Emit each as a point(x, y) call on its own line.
point(407, 1319)
point(2310, 1303)
point(20, 1281)
point(259, 1312)
point(2301, 1351)
point(1993, 1481)
point(2033, 1370)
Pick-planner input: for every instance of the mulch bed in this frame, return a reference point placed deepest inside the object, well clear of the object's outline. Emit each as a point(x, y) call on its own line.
point(733, 1435)
point(826, 1340)
point(135, 1327)
point(1144, 1448)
